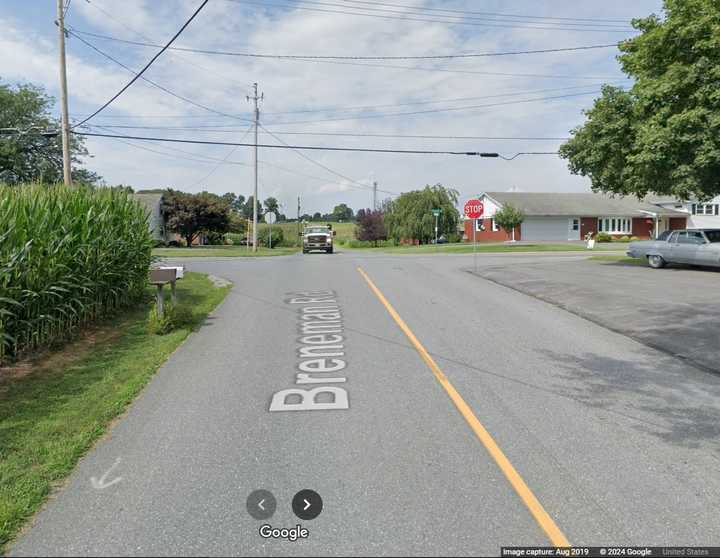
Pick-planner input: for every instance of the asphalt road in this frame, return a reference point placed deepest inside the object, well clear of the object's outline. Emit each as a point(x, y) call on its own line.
point(617, 442)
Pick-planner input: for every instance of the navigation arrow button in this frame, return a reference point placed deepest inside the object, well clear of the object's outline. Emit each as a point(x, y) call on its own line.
point(307, 504)
point(261, 504)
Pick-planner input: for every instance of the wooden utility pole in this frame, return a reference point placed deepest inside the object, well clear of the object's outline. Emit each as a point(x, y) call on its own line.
point(67, 170)
point(256, 99)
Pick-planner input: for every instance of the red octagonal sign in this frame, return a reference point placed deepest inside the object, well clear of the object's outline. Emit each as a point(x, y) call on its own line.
point(474, 209)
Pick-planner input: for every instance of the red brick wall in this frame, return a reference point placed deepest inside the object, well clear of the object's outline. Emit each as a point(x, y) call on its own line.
point(643, 227)
point(488, 235)
point(678, 223)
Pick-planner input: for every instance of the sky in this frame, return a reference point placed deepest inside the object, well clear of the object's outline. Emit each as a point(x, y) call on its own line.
point(516, 96)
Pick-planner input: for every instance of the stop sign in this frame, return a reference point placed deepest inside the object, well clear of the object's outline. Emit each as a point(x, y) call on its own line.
point(474, 209)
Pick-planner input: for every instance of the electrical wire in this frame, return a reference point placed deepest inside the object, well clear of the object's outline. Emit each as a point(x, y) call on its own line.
point(307, 57)
point(487, 13)
point(141, 72)
point(216, 167)
point(292, 147)
point(376, 13)
point(153, 83)
point(211, 129)
point(313, 161)
point(145, 37)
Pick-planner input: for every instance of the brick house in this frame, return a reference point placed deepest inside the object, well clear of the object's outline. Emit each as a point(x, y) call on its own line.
point(560, 216)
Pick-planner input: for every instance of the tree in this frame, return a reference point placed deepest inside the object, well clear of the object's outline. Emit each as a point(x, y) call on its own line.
point(30, 155)
point(371, 226)
point(236, 202)
point(342, 213)
point(509, 218)
point(360, 215)
point(410, 216)
point(661, 136)
point(247, 208)
point(192, 214)
point(317, 216)
point(271, 204)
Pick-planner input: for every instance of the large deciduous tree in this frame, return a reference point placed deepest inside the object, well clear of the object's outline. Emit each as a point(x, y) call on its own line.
point(663, 135)
point(343, 213)
point(28, 155)
point(371, 226)
point(410, 217)
point(192, 214)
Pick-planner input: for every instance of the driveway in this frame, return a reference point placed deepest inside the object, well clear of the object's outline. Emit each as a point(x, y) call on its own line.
point(674, 310)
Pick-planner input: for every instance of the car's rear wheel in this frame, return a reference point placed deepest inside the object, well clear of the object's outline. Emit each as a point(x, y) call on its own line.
point(656, 262)
point(329, 250)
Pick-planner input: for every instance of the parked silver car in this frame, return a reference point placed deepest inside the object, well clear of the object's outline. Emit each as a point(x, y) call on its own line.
point(693, 247)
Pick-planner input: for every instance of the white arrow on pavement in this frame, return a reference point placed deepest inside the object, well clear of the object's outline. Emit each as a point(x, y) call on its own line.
point(102, 483)
point(307, 504)
point(260, 504)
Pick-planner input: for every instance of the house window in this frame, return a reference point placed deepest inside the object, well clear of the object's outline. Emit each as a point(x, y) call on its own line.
point(479, 225)
point(495, 227)
point(706, 209)
point(612, 225)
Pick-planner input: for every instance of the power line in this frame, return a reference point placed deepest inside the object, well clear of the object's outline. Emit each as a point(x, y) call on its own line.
point(141, 72)
point(339, 61)
point(214, 130)
point(376, 13)
point(435, 111)
point(313, 161)
point(151, 82)
point(346, 57)
point(139, 34)
point(220, 163)
point(529, 153)
point(293, 147)
point(488, 13)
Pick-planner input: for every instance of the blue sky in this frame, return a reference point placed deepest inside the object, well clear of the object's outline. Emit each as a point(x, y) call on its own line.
point(304, 99)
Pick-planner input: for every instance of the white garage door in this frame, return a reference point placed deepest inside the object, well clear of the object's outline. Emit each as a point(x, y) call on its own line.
point(548, 228)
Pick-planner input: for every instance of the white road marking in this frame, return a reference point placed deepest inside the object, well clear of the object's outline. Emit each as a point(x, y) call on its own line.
point(102, 484)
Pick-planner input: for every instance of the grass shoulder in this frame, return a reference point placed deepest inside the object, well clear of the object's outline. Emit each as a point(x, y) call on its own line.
point(222, 252)
point(54, 408)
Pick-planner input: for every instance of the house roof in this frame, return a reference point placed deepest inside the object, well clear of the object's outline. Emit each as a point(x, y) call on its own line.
point(578, 204)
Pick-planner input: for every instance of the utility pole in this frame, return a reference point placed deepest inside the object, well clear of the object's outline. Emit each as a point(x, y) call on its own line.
point(374, 195)
point(255, 99)
point(298, 218)
point(67, 171)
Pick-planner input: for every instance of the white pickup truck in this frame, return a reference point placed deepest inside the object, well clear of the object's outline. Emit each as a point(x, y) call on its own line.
point(692, 247)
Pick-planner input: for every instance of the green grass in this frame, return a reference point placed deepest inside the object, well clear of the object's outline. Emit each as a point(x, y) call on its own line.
point(51, 417)
point(345, 231)
point(221, 252)
point(619, 260)
point(467, 248)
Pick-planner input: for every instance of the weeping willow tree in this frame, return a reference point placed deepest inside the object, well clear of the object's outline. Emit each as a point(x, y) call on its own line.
point(67, 257)
point(410, 217)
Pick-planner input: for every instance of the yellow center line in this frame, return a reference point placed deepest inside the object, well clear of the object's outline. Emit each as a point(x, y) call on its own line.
point(543, 519)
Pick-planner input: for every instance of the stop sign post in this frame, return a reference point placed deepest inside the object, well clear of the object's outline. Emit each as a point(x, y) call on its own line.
point(474, 209)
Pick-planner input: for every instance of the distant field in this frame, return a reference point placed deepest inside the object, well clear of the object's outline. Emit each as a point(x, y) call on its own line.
point(345, 231)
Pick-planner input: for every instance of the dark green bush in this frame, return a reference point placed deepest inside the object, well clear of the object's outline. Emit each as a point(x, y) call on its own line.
point(603, 237)
point(277, 237)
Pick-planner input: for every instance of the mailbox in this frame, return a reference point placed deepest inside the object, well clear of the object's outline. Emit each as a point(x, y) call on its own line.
point(161, 276)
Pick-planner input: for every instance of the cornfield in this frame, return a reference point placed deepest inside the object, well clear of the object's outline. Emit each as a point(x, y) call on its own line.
point(67, 257)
